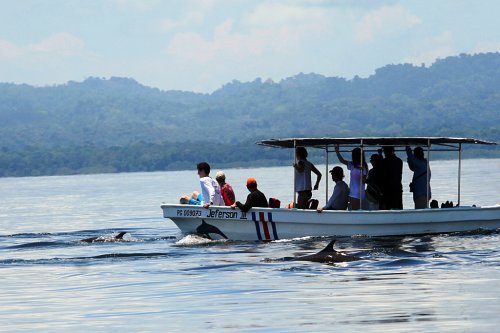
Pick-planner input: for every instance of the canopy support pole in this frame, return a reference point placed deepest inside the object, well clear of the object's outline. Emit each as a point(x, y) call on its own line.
point(326, 175)
point(361, 178)
point(294, 174)
point(459, 170)
point(428, 170)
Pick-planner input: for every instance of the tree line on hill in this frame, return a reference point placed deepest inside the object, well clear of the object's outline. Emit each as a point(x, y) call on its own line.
point(118, 125)
point(36, 161)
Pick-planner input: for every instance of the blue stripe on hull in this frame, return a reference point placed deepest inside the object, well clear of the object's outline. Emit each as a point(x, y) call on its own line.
point(257, 226)
point(273, 225)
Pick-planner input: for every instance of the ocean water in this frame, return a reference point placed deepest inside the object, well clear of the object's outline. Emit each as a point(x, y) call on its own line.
point(158, 280)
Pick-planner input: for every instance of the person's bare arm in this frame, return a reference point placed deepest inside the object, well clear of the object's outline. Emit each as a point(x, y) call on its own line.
point(339, 156)
point(318, 176)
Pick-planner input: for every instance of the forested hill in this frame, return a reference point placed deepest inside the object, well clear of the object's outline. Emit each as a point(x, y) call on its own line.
point(456, 96)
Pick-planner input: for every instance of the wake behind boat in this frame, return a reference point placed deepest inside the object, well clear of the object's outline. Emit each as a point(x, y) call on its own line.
point(279, 223)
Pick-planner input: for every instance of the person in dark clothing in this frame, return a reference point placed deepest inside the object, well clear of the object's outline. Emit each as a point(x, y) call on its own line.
point(255, 199)
point(375, 182)
point(393, 174)
point(421, 186)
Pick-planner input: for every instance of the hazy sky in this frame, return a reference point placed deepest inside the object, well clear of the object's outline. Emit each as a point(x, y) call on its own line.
point(200, 45)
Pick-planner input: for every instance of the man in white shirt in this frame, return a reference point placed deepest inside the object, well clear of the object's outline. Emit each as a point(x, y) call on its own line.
point(209, 188)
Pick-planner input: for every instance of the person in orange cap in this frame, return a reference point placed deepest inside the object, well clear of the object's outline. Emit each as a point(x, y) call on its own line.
point(255, 199)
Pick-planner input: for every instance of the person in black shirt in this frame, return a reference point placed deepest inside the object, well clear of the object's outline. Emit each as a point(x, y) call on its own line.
point(255, 199)
point(375, 183)
point(393, 173)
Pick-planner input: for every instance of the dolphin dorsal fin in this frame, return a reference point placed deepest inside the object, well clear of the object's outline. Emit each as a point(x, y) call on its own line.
point(329, 247)
point(120, 235)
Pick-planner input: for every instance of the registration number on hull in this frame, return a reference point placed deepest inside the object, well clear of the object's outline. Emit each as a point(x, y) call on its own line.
point(211, 213)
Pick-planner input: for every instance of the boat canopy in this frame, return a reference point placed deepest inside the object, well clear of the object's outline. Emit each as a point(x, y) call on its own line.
point(369, 143)
point(323, 143)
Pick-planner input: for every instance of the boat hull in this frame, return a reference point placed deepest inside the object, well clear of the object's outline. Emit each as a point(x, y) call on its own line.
point(276, 223)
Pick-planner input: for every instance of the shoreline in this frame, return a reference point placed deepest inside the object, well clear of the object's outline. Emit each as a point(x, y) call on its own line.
point(225, 166)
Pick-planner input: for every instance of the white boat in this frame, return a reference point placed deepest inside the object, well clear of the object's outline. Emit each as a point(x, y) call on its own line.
point(279, 223)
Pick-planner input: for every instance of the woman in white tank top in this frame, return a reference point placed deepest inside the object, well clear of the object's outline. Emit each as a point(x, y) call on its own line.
point(358, 177)
point(303, 183)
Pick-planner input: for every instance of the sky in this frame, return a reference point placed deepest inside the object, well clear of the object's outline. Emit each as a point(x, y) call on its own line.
point(200, 45)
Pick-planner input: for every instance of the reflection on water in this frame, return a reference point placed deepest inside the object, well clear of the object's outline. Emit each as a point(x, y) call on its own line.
point(156, 279)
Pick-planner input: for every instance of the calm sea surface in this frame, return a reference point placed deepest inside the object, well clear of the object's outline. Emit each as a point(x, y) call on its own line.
point(159, 280)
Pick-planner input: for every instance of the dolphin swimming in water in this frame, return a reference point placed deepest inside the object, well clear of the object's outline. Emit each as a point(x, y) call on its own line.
point(206, 229)
point(118, 237)
point(327, 255)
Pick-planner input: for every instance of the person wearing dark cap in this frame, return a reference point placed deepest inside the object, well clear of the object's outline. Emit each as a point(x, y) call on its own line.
point(340, 197)
point(393, 174)
point(420, 184)
point(255, 199)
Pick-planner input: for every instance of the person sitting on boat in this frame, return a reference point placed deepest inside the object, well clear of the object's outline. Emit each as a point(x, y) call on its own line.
point(225, 188)
point(209, 188)
point(374, 183)
point(393, 174)
point(340, 196)
point(358, 176)
point(255, 199)
point(303, 170)
point(420, 183)
point(195, 199)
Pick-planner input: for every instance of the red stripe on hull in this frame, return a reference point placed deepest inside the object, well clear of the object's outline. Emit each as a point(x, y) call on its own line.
point(264, 226)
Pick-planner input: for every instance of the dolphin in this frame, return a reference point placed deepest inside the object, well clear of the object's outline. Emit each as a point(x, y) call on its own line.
point(327, 255)
point(118, 237)
point(206, 229)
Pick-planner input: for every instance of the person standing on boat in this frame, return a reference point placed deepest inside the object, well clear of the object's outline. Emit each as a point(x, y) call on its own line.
point(255, 199)
point(420, 184)
point(374, 183)
point(358, 176)
point(209, 188)
point(303, 170)
point(225, 189)
point(340, 196)
point(393, 174)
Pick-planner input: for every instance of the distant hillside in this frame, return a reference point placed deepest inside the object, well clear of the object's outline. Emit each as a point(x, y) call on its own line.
point(456, 96)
